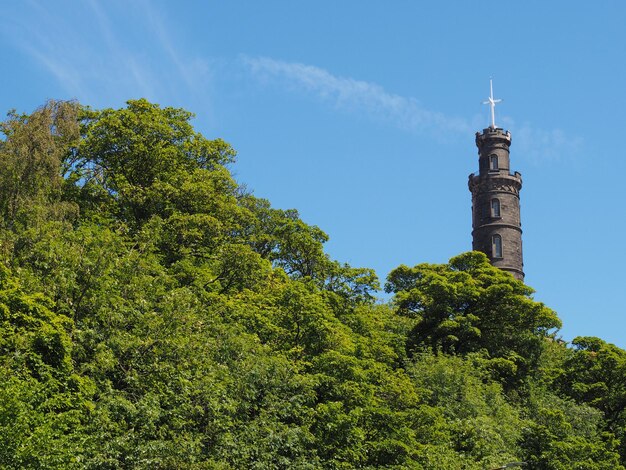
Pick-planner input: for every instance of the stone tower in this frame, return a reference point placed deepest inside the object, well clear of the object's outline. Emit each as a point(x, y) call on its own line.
point(496, 223)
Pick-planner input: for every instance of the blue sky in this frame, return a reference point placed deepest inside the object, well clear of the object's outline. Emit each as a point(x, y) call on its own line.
point(362, 116)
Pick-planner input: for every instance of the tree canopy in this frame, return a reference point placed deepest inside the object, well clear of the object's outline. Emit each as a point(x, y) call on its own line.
point(155, 314)
point(470, 306)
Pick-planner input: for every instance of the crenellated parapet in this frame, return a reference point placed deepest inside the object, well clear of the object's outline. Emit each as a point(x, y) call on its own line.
point(493, 137)
point(509, 183)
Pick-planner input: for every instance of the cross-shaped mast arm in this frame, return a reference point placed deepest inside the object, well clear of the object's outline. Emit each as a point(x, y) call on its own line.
point(492, 103)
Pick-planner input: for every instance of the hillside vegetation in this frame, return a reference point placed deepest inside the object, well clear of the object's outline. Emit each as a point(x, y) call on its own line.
point(156, 315)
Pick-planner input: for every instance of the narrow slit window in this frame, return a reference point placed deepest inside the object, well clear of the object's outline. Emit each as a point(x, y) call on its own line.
point(496, 243)
point(493, 162)
point(495, 208)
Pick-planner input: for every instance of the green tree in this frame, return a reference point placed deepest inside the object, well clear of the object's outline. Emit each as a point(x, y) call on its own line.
point(44, 404)
point(469, 306)
point(563, 436)
point(31, 163)
point(284, 239)
point(482, 423)
point(595, 374)
point(138, 154)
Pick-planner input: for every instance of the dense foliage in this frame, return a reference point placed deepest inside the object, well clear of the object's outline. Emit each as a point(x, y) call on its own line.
point(154, 314)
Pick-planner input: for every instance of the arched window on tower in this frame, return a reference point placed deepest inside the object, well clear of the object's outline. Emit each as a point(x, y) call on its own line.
point(496, 246)
point(493, 162)
point(495, 208)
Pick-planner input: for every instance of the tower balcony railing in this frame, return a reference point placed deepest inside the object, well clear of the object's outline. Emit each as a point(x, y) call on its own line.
point(515, 174)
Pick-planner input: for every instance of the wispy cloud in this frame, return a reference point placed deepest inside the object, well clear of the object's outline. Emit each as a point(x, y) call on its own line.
point(355, 95)
point(100, 52)
point(406, 113)
point(537, 145)
point(191, 71)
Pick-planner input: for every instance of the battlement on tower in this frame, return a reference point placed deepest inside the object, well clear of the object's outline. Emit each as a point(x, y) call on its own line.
point(492, 135)
point(514, 174)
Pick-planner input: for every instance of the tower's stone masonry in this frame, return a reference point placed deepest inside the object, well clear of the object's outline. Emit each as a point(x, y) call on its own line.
point(496, 223)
